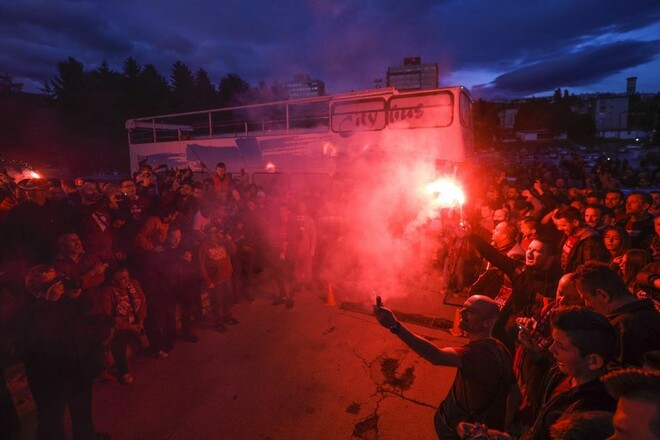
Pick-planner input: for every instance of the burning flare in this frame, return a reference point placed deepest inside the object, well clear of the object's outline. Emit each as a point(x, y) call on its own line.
point(444, 193)
point(34, 175)
point(447, 193)
point(270, 167)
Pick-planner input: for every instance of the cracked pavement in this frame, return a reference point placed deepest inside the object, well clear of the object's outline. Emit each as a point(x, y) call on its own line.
point(312, 372)
point(391, 380)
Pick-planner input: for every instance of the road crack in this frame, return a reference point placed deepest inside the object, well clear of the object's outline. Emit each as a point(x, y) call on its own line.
point(388, 382)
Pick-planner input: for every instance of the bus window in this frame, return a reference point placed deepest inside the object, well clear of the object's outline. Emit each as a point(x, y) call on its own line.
point(309, 116)
point(358, 115)
point(422, 110)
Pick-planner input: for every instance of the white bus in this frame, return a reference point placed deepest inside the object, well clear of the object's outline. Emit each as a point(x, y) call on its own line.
point(312, 135)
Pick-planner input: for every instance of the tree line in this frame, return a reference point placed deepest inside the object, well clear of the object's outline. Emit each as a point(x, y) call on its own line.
point(77, 121)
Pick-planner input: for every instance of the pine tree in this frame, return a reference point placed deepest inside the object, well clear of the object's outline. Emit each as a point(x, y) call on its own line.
point(182, 84)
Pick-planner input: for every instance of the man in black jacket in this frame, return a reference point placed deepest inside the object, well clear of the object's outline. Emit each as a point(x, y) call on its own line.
point(531, 281)
point(57, 354)
point(172, 281)
point(580, 243)
point(492, 282)
point(636, 321)
point(584, 343)
point(638, 223)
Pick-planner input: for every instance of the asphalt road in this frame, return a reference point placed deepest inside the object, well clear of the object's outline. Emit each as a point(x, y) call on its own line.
point(313, 372)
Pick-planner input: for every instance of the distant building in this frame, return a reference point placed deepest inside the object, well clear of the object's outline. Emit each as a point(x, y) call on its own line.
point(413, 75)
point(631, 85)
point(303, 86)
point(507, 118)
point(610, 114)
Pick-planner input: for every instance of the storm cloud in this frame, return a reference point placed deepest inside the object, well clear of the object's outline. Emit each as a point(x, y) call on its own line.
point(588, 65)
point(518, 48)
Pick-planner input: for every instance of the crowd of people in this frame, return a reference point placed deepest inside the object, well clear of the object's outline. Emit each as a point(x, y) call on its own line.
point(562, 270)
point(560, 265)
point(91, 270)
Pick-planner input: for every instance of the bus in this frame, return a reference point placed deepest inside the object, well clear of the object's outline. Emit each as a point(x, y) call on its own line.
point(317, 135)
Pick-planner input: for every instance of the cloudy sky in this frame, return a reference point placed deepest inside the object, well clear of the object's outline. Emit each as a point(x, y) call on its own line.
point(496, 48)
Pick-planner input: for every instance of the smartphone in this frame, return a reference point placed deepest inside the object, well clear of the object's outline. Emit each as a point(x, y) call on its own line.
point(379, 301)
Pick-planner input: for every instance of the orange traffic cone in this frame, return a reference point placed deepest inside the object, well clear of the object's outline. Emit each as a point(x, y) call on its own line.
point(330, 300)
point(455, 329)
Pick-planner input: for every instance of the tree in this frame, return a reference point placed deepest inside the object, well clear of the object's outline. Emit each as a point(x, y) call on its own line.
point(205, 94)
point(69, 85)
point(131, 70)
point(534, 114)
point(279, 91)
point(232, 90)
point(154, 93)
point(581, 128)
point(130, 77)
point(182, 84)
point(644, 114)
point(270, 93)
point(556, 97)
point(103, 99)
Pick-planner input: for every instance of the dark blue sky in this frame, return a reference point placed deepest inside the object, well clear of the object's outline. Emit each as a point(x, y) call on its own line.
point(496, 48)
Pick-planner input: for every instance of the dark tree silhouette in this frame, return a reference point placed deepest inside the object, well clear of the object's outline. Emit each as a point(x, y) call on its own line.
point(279, 91)
point(131, 71)
point(182, 84)
point(232, 90)
point(154, 93)
point(104, 86)
point(534, 114)
point(69, 84)
point(204, 93)
point(644, 114)
point(556, 97)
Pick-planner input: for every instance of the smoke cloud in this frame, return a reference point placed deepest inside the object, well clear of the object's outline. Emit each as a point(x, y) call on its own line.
point(391, 225)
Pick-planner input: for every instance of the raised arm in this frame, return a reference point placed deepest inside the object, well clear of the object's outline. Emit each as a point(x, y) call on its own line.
point(436, 355)
point(495, 257)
